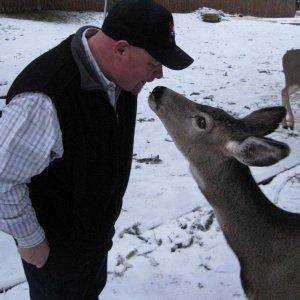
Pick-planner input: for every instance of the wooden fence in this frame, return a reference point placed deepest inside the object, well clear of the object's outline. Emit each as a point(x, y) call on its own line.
point(34, 5)
point(261, 8)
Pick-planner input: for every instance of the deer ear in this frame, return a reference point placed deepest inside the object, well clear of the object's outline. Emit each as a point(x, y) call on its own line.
point(264, 121)
point(259, 152)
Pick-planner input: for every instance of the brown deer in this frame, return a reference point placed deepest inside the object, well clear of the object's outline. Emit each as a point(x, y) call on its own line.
point(219, 148)
point(291, 69)
point(2, 98)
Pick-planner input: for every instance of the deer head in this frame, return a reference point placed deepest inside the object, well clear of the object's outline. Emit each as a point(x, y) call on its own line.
point(211, 138)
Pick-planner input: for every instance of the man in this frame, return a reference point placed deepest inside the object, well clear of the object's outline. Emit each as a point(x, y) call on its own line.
point(66, 139)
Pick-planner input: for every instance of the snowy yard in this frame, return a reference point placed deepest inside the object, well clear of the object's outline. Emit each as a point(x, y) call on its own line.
point(168, 244)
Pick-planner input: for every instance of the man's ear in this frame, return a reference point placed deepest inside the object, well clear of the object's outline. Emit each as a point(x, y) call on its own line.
point(264, 121)
point(254, 151)
point(120, 47)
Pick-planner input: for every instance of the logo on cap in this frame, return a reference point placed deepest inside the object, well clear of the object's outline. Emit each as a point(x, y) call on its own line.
point(172, 32)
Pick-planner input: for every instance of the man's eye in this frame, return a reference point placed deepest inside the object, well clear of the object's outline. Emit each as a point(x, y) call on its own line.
point(152, 67)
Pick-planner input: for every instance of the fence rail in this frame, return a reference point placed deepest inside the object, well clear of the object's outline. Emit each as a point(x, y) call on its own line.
point(8, 6)
point(261, 8)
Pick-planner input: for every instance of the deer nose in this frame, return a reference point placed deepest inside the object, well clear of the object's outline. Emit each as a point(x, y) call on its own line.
point(158, 92)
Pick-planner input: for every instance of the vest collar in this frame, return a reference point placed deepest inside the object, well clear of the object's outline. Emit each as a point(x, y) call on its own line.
point(89, 80)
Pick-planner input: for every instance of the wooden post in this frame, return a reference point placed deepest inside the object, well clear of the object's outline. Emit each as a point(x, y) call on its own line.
point(39, 5)
point(105, 8)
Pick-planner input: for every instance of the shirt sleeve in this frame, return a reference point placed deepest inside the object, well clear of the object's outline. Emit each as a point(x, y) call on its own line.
point(30, 138)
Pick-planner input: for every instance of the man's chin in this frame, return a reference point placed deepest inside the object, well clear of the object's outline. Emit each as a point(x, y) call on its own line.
point(137, 89)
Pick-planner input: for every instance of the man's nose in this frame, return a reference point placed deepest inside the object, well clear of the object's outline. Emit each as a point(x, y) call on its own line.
point(159, 73)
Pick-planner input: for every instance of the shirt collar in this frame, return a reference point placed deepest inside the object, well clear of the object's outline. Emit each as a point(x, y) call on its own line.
point(89, 32)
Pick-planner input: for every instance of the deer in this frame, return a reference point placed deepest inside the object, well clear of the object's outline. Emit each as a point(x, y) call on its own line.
point(219, 149)
point(2, 98)
point(291, 69)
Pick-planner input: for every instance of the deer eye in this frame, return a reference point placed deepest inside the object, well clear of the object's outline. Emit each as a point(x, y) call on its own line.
point(201, 122)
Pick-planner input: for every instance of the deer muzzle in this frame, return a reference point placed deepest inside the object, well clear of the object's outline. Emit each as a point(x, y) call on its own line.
point(155, 97)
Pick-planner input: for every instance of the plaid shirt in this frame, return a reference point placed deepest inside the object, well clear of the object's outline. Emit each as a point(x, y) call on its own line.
point(30, 138)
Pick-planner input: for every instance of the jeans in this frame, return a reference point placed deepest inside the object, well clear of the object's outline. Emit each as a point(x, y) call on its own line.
point(67, 276)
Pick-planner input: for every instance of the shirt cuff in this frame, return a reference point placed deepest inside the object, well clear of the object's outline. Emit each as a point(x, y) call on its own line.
point(32, 240)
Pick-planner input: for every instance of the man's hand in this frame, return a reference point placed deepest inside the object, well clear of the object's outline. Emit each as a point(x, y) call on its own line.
point(36, 255)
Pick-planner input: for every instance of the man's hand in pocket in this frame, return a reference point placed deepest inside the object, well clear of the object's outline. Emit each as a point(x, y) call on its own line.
point(36, 255)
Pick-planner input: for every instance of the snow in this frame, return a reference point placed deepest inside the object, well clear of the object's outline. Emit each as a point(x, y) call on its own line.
point(160, 250)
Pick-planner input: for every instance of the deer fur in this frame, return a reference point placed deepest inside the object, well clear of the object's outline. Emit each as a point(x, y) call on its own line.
point(220, 149)
point(291, 69)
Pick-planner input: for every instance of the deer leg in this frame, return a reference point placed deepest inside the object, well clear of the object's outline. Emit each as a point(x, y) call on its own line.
point(288, 121)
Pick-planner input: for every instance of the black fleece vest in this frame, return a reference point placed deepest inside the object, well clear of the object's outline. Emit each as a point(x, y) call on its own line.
point(78, 198)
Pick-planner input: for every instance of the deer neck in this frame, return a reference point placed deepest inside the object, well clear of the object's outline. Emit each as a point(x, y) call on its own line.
point(240, 206)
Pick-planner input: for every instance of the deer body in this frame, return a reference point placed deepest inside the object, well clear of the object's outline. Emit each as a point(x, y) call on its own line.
point(291, 69)
point(219, 148)
point(263, 237)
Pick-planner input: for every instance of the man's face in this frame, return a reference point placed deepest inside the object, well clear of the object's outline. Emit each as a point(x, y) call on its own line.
point(135, 68)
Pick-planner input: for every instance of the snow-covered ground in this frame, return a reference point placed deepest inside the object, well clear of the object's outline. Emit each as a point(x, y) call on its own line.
point(161, 251)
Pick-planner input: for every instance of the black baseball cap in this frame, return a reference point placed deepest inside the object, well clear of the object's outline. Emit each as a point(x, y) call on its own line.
point(148, 25)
